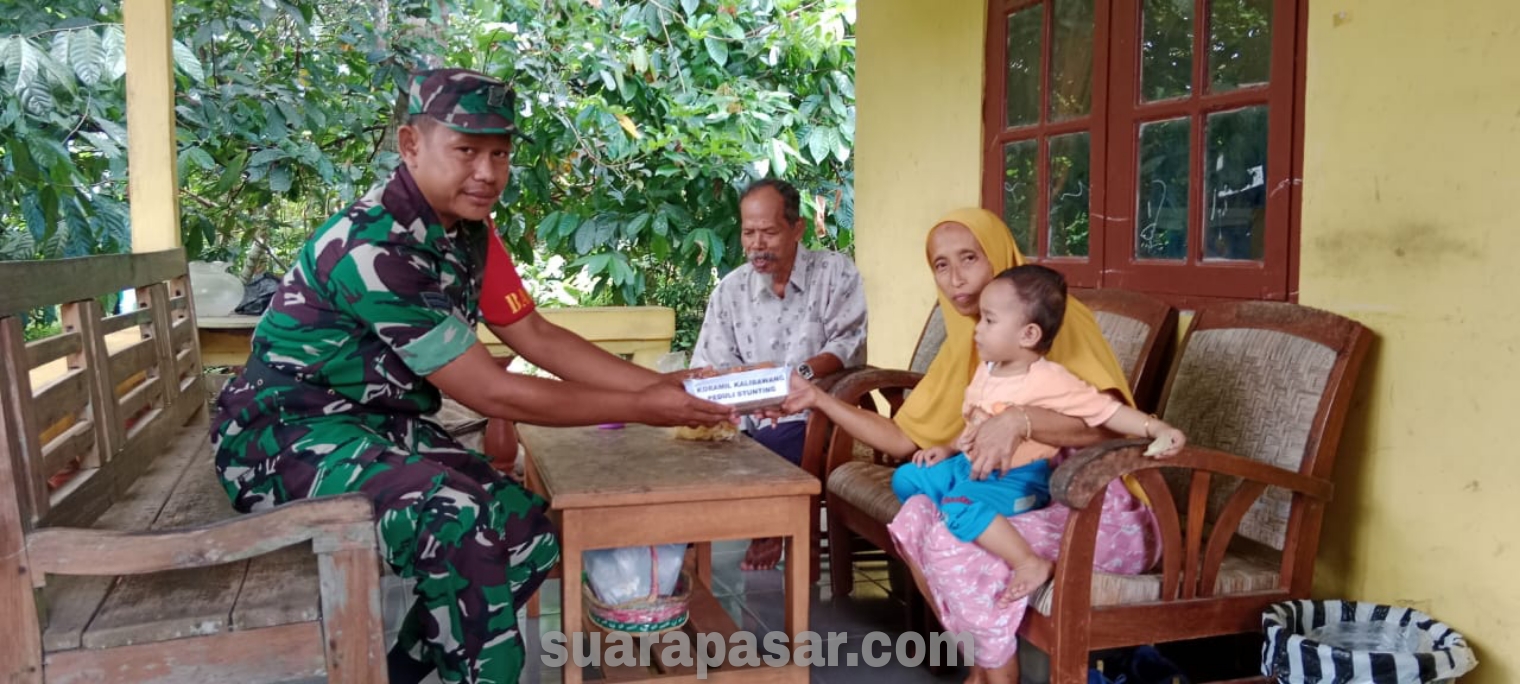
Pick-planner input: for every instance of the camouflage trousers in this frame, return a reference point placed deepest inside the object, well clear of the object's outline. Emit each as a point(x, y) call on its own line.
point(476, 542)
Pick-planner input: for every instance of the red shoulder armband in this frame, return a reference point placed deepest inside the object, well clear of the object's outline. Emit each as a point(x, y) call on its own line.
point(503, 299)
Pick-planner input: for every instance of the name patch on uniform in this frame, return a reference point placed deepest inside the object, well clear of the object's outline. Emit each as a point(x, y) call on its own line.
point(437, 300)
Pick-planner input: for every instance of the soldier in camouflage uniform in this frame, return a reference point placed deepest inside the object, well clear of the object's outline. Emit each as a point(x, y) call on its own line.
point(377, 315)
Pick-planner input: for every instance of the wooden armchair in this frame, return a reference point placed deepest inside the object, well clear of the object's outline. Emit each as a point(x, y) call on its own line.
point(1262, 391)
point(819, 438)
point(1142, 331)
point(859, 483)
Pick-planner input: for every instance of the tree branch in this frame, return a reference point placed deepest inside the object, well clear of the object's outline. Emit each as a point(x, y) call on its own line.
point(268, 252)
point(89, 97)
point(363, 131)
point(71, 28)
point(789, 15)
point(680, 76)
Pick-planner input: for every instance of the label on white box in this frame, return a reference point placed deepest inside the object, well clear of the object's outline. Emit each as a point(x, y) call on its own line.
point(744, 391)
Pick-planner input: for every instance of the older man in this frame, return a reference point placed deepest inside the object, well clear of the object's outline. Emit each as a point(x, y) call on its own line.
point(788, 306)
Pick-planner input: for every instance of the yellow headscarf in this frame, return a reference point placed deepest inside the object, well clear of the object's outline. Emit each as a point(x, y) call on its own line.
point(932, 414)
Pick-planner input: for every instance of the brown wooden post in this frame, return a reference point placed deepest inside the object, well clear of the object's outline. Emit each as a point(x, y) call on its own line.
point(352, 628)
point(500, 444)
point(84, 318)
point(1071, 611)
point(157, 297)
point(180, 287)
point(21, 649)
point(31, 483)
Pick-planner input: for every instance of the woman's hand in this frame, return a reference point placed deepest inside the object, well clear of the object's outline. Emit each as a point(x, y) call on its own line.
point(928, 457)
point(991, 444)
point(975, 419)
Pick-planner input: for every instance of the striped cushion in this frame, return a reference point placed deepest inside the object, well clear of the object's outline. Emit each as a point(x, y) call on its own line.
point(866, 486)
point(1239, 574)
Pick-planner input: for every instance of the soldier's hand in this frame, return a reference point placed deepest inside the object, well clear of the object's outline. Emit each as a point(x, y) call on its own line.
point(678, 378)
point(669, 405)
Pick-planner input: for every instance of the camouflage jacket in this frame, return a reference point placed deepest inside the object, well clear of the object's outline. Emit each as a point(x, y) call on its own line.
point(380, 297)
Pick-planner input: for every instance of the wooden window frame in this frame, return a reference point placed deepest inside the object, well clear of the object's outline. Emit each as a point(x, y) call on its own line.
point(1113, 122)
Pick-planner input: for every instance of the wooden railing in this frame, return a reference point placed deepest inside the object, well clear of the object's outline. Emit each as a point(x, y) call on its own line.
point(643, 333)
point(106, 389)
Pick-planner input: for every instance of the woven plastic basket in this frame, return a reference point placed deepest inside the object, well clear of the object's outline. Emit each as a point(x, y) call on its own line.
point(1391, 652)
point(652, 614)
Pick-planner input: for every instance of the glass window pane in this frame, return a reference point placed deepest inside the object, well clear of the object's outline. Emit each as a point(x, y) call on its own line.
point(1071, 55)
point(1069, 194)
point(1024, 31)
point(1240, 43)
point(1162, 186)
point(1019, 187)
point(1166, 50)
point(1235, 186)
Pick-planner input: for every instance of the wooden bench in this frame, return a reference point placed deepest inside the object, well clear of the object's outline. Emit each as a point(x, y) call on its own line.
point(121, 559)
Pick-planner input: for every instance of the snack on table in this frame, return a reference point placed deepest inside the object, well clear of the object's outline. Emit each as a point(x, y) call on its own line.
point(723, 432)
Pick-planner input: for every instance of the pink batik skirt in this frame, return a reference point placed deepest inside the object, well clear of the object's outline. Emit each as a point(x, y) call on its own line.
point(965, 580)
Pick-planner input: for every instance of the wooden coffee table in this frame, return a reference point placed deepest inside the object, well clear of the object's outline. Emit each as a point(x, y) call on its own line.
point(638, 486)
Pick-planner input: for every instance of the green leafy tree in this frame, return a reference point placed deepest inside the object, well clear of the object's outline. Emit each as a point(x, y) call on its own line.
point(647, 116)
point(62, 145)
point(274, 104)
point(650, 117)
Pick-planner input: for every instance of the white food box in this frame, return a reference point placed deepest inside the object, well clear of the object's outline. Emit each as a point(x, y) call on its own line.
point(745, 391)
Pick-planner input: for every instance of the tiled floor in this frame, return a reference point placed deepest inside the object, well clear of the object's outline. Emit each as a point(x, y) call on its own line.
point(755, 601)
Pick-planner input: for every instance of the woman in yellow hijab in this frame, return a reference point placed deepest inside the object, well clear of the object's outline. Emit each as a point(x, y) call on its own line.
point(965, 250)
point(932, 414)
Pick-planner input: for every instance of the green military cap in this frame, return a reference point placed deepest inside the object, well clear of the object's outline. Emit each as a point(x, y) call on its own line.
point(466, 101)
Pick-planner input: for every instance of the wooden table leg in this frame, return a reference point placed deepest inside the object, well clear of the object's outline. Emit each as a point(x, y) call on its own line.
point(815, 540)
point(530, 482)
point(570, 590)
point(533, 607)
point(704, 563)
point(798, 589)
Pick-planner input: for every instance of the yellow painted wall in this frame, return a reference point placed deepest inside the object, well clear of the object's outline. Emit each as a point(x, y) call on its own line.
point(918, 86)
point(1410, 184)
point(1411, 179)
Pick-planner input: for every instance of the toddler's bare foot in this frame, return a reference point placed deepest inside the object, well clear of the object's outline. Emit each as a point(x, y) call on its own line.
point(1026, 579)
